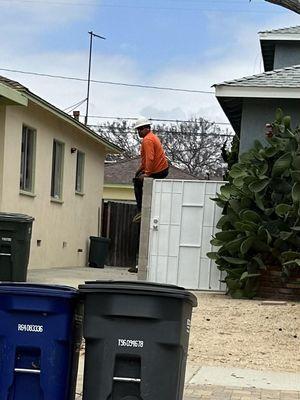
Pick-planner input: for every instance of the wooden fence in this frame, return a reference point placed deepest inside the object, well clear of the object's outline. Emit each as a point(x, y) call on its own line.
point(124, 235)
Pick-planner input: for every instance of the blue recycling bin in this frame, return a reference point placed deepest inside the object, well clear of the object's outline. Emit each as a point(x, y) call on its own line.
point(40, 336)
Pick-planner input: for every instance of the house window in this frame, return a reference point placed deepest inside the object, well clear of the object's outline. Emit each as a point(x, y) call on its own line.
point(57, 169)
point(79, 172)
point(27, 159)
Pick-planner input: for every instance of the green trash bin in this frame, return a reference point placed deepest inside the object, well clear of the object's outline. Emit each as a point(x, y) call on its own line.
point(98, 251)
point(15, 236)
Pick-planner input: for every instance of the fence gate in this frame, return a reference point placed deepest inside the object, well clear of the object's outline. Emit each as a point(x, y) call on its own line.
point(183, 219)
point(124, 235)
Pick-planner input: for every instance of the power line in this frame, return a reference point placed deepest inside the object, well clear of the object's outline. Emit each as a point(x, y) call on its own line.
point(72, 107)
point(174, 132)
point(107, 82)
point(150, 119)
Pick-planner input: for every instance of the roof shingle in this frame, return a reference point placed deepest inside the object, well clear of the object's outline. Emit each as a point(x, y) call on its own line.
point(284, 31)
point(281, 78)
point(13, 84)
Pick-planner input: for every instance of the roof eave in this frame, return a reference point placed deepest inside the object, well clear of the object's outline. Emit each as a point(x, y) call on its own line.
point(11, 96)
point(268, 52)
point(109, 147)
point(265, 92)
point(232, 107)
point(279, 36)
point(231, 99)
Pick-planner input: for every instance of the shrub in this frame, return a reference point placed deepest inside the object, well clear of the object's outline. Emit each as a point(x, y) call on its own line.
point(260, 223)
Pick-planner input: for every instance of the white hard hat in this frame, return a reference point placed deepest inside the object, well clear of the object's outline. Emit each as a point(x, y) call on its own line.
point(141, 122)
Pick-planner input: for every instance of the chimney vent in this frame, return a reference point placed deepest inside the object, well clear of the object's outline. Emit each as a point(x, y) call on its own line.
point(76, 115)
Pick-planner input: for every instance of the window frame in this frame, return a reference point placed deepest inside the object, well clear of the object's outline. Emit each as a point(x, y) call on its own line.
point(57, 170)
point(24, 164)
point(79, 174)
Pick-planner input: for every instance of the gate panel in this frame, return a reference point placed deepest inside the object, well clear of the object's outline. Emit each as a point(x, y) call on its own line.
point(183, 219)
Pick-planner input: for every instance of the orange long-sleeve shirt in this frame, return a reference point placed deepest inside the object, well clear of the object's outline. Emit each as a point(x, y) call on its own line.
point(153, 158)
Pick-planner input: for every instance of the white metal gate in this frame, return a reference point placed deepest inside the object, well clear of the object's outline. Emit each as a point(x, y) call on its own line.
point(183, 219)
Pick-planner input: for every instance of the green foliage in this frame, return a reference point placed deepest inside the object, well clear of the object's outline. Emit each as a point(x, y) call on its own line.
point(231, 156)
point(260, 225)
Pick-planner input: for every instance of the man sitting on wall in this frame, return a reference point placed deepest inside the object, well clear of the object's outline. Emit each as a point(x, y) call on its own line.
point(154, 163)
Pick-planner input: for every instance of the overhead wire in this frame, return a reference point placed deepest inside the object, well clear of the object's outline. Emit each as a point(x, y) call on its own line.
point(173, 132)
point(172, 89)
point(72, 107)
point(151, 119)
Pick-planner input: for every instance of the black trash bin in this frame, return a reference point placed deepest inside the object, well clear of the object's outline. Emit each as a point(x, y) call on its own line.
point(98, 251)
point(136, 340)
point(15, 236)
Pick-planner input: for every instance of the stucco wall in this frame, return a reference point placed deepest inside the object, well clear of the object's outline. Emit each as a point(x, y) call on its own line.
point(65, 227)
point(286, 55)
point(258, 112)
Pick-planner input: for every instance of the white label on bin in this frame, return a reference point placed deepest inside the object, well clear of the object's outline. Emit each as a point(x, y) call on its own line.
point(30, 328)
point(130, 343)
point(188, 325)
point(6, 239)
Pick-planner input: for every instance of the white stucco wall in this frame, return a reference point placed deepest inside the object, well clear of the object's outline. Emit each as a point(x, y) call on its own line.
point(63, 228)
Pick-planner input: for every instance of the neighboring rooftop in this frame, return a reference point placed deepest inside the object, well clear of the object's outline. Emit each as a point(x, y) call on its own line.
point(122, 172)
point(281, 78)
point(17, 87)
point(268, 40)
point(282, 83)
point(13, 84)
point(283, 31)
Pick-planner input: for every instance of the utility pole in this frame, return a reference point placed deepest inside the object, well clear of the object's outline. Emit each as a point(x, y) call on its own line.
point(92, 35)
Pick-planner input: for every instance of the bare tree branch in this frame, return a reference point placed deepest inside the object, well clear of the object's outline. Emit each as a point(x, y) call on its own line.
point(293, 5)
point(194, 146)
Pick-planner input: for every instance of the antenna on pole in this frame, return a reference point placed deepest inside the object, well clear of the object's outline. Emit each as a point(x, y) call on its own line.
point(92, 35)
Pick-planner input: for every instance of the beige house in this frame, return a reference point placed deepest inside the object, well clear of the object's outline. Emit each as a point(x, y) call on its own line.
point(52, 168)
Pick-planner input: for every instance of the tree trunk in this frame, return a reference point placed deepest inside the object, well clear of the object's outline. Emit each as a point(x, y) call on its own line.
point(293, 5)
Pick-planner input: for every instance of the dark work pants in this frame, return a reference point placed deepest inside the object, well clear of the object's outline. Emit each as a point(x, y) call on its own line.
point(138, 186)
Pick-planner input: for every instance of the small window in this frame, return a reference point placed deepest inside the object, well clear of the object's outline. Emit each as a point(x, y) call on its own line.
point(79, 172)
point(57, 169)
point(27, 159)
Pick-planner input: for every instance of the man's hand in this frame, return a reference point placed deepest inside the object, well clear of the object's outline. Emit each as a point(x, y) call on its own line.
point(138, 173)
point(141, 177)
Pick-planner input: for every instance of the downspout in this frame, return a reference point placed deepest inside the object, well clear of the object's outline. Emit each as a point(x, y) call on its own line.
point(2, 138)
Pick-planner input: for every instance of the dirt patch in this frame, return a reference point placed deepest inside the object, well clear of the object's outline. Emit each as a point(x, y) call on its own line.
point(245, 334)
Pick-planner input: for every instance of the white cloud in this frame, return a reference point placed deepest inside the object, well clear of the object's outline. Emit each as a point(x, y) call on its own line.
point(235, 57)
point(42, 14)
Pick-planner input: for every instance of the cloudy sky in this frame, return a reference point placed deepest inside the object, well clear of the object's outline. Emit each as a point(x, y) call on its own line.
point(188, 44)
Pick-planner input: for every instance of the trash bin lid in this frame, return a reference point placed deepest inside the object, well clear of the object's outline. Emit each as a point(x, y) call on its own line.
point(32, 289)
point(138, 288)
point(15, 217)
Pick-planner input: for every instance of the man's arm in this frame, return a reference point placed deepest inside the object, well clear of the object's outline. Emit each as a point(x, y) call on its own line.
point(139, 171)
point(149, 157)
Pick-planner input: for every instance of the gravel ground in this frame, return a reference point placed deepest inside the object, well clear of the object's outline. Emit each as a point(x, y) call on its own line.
point(245, 334)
